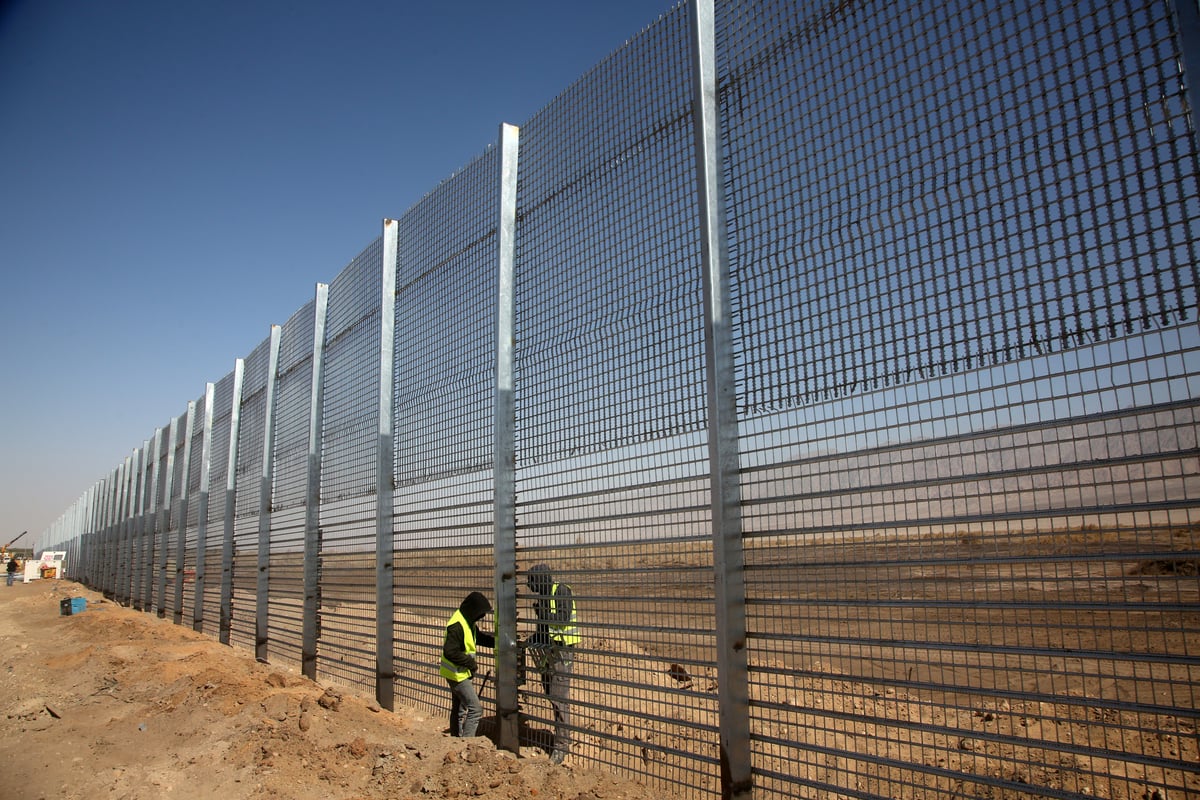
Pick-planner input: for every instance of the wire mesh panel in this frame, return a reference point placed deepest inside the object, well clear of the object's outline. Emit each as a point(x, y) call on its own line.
point(964, 245)
point(120, 531)
point(611, 457)
point(195, 466)
point(251, 435)
point(144, 549)
point(962, 240)
point(346, 649)
point(217, 487)
point(176, 520)
point(293, 414)
point(444, 409)
point(162, 522)
point(112, 518)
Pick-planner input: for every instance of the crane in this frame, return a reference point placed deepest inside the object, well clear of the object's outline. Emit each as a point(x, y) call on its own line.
point(4, 549)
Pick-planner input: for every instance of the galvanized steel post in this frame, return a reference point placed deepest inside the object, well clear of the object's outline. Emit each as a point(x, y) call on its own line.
point(311, 630)
point(262, 608)
point(235, 415)
point(732, 668)
point(202, 511)
point(507, 707)
point(384, 475)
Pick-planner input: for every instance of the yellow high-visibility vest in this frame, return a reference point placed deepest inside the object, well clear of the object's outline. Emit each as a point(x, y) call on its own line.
point(451, 671)
point(565, 633)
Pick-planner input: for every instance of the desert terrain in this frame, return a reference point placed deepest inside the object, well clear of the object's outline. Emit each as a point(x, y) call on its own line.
point(116, 703)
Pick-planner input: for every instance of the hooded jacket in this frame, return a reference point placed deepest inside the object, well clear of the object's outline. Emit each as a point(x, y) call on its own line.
point(463, 636)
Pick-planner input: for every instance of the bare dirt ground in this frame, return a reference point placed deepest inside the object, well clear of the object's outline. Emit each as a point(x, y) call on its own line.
point(116, 703)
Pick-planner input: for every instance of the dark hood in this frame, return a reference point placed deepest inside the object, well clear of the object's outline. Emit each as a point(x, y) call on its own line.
point(539, 580)
point(475, 607)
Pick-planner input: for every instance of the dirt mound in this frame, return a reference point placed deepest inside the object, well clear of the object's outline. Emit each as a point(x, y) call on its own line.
point(113, 702)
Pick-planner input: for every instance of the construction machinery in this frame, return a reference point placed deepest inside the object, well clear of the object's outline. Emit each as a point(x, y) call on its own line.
point(4, 549)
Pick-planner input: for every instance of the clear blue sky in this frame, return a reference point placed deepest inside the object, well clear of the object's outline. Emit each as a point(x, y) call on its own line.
point(176, 177)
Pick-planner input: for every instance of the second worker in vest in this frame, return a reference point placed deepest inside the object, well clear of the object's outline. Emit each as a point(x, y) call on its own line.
point(553, 649)
point(459, 666)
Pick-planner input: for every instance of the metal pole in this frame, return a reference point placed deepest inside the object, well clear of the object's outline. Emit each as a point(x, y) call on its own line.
point(312, 505)
point(202, 511)
point(384, 475)
point(226, 619)
point(184, 497)
point(732, 670)
point(262, 634)
point(507, 705)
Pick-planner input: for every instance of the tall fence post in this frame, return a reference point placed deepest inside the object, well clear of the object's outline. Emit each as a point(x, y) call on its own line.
point(235, 416)
point(202, 511)
point(262, 633)
point(384, 468)
point(312, 508)
point(168, 504)
point(732, 665)
point(184, 499)
point(507, 708)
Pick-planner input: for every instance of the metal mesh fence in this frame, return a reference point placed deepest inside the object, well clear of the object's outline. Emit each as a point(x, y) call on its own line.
point(612, 461)
point(444, 410)
point(185, 597)
point(967, 457)
point(251, 440)
point(349, 453)
point(162, 506)
point(293, 398)
point(961, 244)
point(211, 566)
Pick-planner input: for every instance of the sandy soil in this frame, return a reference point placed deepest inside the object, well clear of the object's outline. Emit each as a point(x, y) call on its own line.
point(116, 703)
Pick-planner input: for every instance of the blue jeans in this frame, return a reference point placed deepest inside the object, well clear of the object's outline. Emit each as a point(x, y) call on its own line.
point(11, 575)
point(465, 709)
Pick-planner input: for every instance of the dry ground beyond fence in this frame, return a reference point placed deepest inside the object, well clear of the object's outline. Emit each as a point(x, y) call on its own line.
point(886, 699)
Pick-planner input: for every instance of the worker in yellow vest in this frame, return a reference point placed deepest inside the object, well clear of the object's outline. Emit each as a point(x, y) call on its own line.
point(459, 666)
point(553, 649)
